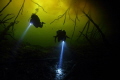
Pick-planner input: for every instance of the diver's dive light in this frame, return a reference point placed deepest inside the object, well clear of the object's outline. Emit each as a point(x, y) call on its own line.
point(24, 33)
point(61, 55)
point(22, 37)
point(59, 70)
point(31, 23)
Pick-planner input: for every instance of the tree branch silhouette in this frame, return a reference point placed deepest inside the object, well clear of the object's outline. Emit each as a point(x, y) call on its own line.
point(38, 5)
point(76, 18)
point(18, 14)
point(6, 5)
point(5, 31)
point(99, 30)
point(60, 16)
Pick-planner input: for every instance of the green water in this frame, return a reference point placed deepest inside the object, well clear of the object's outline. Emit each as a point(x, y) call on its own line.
point(49, 11)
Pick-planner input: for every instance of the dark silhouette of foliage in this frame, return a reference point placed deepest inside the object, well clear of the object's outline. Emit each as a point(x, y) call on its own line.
point(5, 32)
point(6, 5)
point(63, 15)
point(98, 28)
point(18, 13)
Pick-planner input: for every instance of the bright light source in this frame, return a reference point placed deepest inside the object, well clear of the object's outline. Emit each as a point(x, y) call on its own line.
point(59, 74)
point(63, 42)
point(30, 24)
point(59, 71)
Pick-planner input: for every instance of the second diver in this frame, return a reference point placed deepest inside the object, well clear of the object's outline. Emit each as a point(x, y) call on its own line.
point(61, 35)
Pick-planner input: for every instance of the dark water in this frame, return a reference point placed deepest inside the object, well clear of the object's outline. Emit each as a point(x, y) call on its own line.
point(35, 62)
point(34, 54)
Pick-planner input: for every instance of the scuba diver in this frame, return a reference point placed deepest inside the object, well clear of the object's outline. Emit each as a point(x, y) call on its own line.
point(36, 21)
point(61, 35)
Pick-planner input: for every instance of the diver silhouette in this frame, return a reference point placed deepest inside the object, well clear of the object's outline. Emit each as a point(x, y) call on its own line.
point(61, 35)
point(36, 21)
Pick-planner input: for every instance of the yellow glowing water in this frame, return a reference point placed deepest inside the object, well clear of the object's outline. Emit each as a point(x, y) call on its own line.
point(54, 8)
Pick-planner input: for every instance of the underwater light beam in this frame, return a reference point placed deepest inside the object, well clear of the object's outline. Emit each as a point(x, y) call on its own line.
point(21, 38)
point(59, 71)
point(61, 56)
point(24, 33)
